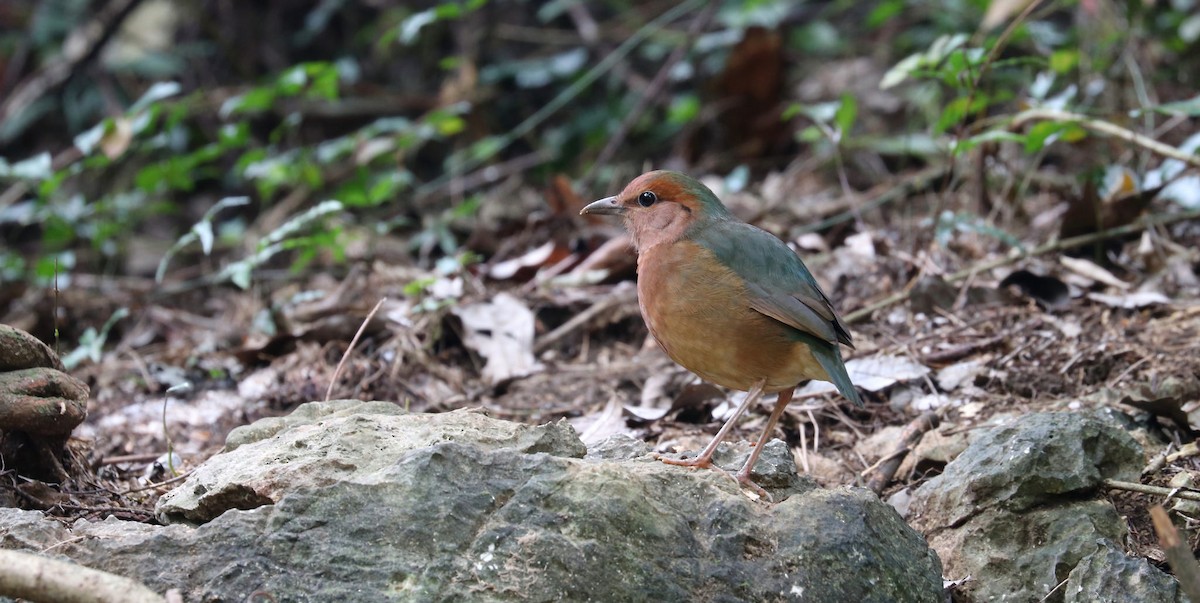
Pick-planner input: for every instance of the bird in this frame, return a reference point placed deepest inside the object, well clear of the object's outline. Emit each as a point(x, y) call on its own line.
point(728, 301)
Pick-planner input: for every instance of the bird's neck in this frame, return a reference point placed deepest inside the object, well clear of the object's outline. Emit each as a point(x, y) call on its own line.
point(663, 228)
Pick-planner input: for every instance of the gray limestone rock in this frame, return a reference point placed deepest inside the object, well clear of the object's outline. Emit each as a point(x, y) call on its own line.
point(1019, 510)
point(1040, 458)
point(1110, 575)
point(358, 505)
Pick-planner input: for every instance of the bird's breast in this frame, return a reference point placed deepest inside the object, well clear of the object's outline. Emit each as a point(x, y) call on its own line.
point(699, 311)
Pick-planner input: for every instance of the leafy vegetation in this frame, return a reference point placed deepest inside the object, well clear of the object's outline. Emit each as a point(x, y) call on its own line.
point(377, 116)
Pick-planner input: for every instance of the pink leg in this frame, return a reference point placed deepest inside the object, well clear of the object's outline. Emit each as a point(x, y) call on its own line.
point(743, 476)
point(705, 457)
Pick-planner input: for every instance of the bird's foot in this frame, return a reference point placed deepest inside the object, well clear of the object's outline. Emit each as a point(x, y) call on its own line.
point(743, 480)
point(699, 461)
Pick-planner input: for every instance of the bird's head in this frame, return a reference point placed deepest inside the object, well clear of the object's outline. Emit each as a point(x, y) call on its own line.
point(661, 206)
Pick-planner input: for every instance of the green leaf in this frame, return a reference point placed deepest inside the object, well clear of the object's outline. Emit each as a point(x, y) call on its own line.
point(952, 114)
point(989, 136)
point(239, 274)
point(486, 148)
point(253, 101)
point(884, 12)
point(684, 108)
point(901, 71)
point(325, 79)
point(1062, 61)
point(1041, 134)
point(292, 81)
point(1187, 108)
point(846, 113)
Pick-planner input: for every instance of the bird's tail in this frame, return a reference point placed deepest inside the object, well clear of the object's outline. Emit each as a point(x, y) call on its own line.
point(830, 358)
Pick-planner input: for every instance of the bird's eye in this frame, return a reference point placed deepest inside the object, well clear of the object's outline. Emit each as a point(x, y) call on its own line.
point(647, 199)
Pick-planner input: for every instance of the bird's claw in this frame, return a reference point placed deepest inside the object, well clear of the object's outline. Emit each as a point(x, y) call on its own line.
point(699, 461)
point(741, 478)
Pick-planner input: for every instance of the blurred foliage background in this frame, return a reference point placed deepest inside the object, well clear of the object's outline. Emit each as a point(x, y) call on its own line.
point(215, 140)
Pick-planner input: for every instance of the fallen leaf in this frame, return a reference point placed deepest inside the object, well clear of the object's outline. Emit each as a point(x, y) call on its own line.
point(534, 258)
point(956, 375)
point(645, 414)
point(502, 332)
point(1136, 299)
point(1091, 270)
point(873, 373)
point(999, 11)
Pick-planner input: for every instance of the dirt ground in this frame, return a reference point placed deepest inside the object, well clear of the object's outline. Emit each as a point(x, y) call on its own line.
point(947, 319)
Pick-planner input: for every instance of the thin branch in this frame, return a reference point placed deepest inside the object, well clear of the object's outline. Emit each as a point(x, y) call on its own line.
point(884, 471)
point(36, 578)
point(622, 296)
point(353, 342)
point(83, 45)
point(1166, 493)
point(1179, 554)
point(1110, 129)
point(909, 185)
point(566, 96)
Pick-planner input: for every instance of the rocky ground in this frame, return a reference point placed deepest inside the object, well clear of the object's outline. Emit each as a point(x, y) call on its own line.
point(1012, 399)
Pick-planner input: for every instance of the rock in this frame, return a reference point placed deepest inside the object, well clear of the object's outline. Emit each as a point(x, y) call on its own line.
point(40, 405)
point(1019, 509)
point(1110, 575)
point(358, 503)
point(41, 402)
point(1036, 459)
point(1022, 557)
point(20, 350)
point(343, 441)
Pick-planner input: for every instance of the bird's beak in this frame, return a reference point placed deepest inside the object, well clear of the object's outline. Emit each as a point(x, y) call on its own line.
point(607, 205)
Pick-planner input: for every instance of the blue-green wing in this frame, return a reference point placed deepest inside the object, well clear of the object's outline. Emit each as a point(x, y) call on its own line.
point(779, 284)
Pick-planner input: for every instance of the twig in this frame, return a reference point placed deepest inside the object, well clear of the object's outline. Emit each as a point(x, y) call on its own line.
point(83, 44)
point(961, 351)
point(1104, 127)
point(129, 458)
point(1179, 554)
point(620, 297)
point(36, 578)
point(152, 486)
point(1052, 591)
point(883, 472)
point(653, 90)
point(1167, 493)
point(1020, 254)
point(341, 363)
point(915, 182)
point(110, 510)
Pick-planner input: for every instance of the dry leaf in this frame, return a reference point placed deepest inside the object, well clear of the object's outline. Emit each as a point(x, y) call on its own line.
point(116, 140)
point(873, 373)
point(502, 332)
point(999, 11)
point(1091, 270)
point(956, 375)
point(534, 258)
point(1136, 299)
